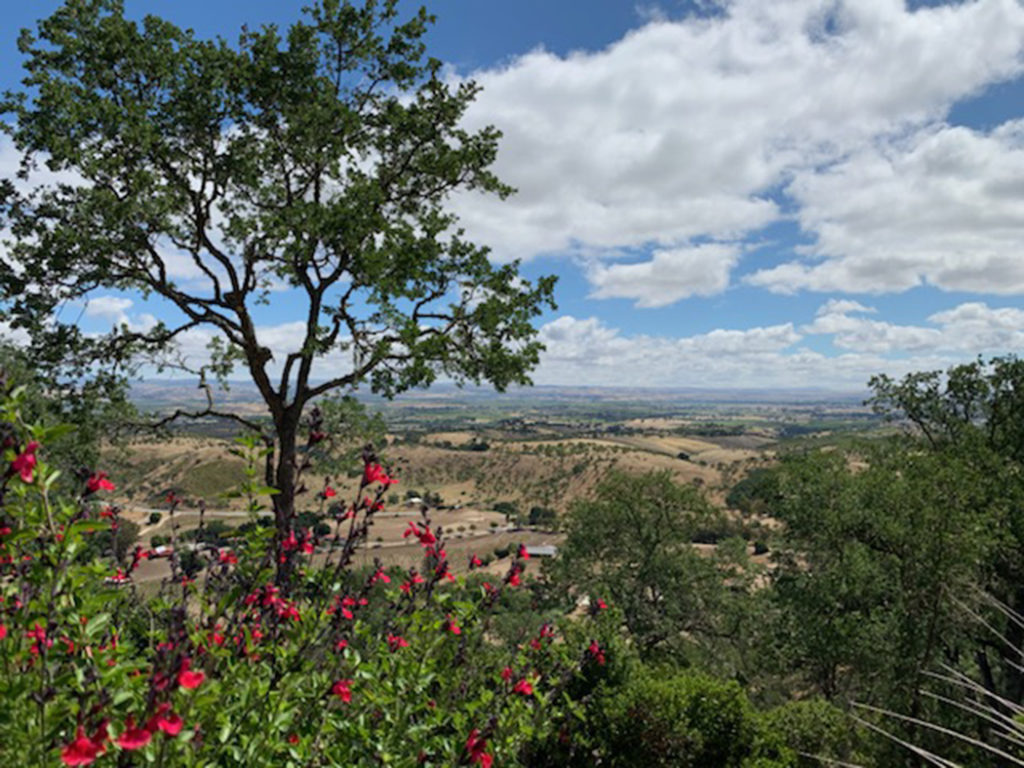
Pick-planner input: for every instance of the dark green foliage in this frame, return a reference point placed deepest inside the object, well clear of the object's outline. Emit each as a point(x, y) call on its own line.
point(875, 546)
point(92, 409)
point(543, 517)
point(507, 508)
point(645, 717)
point(631, 545)
point(125, 537)
point(753, 494)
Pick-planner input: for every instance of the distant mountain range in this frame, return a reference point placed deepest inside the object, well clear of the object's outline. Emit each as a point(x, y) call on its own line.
point(157, 394)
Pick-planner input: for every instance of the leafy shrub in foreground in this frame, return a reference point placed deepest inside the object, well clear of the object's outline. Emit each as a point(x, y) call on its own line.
point(275, 651)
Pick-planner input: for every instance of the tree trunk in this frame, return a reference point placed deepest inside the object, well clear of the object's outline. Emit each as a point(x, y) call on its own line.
point(285, 475)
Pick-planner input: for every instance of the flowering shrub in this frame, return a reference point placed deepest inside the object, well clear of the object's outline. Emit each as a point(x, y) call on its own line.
point(276, 651)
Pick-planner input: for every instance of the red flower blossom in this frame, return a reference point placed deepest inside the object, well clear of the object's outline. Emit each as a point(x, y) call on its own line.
point(38, 634)
point(329, 493)
point(290, 543)
point(25, 462)
point(596, 653)
point(451, 626)
point(99, 482)
point(170, 724)
point(342, 690)
point(475, 562)
point(227, 557)
point(523, 553)
point(425, 535)
point(293, 738)
point(523, 687)
point(374, 473)
point(132, 737)
point(476, 747)
point(3, 631)
point(83, 750)
point(506, 674)
point(187, 677)
point(397, 641)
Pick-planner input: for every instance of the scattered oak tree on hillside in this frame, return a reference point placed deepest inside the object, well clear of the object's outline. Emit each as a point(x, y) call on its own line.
point(209, 175)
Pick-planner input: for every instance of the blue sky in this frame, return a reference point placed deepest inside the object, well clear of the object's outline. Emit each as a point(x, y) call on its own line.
point(734, 194)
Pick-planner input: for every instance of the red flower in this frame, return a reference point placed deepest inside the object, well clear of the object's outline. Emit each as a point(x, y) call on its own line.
point(307, 543)
point(81, 751)
point(342, 690)
point(425, 536)
point(293, 738)
point(374, 473)
point(187, 678)
point(329, 493)
point(596, 653)
point(476, 747)
point(99, 482)
point(227, 557)
point(506, 674)
point(523, 687)
point(523, 553)
point(475, 562)
point(3, 631)
point(396, 641)
point(25, 462)
point(451, 626)
point(132, 737)
point(38, 634)
point(290, 543)
point(170, 724)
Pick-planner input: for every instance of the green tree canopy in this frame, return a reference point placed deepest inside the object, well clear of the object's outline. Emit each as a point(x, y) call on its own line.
point(631, 544)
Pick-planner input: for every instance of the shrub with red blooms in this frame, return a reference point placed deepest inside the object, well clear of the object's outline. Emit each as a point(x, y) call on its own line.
point(241, 662)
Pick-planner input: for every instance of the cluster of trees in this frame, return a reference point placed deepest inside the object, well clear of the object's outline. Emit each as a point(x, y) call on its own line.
point(893, 592)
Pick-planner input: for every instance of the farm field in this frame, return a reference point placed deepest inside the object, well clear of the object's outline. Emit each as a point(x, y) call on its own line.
point(481, 462)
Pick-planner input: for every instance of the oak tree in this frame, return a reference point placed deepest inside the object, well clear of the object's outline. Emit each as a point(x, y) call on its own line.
point(310, 166)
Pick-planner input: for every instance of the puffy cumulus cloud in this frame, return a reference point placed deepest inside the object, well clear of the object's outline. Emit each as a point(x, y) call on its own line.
point(967, 329)
point(843, 306)
point(113, 308)
point(941, 207)
point(588, 350)
point(585, 349)
point(681, 129)
point(668, 276)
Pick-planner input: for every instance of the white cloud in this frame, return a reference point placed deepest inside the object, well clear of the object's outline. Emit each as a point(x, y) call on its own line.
point(113, 308)
point(968, 329)
point(843, 306)
point(668, 276)
point(941, 207)
point(587, 350)
point(679, 130)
